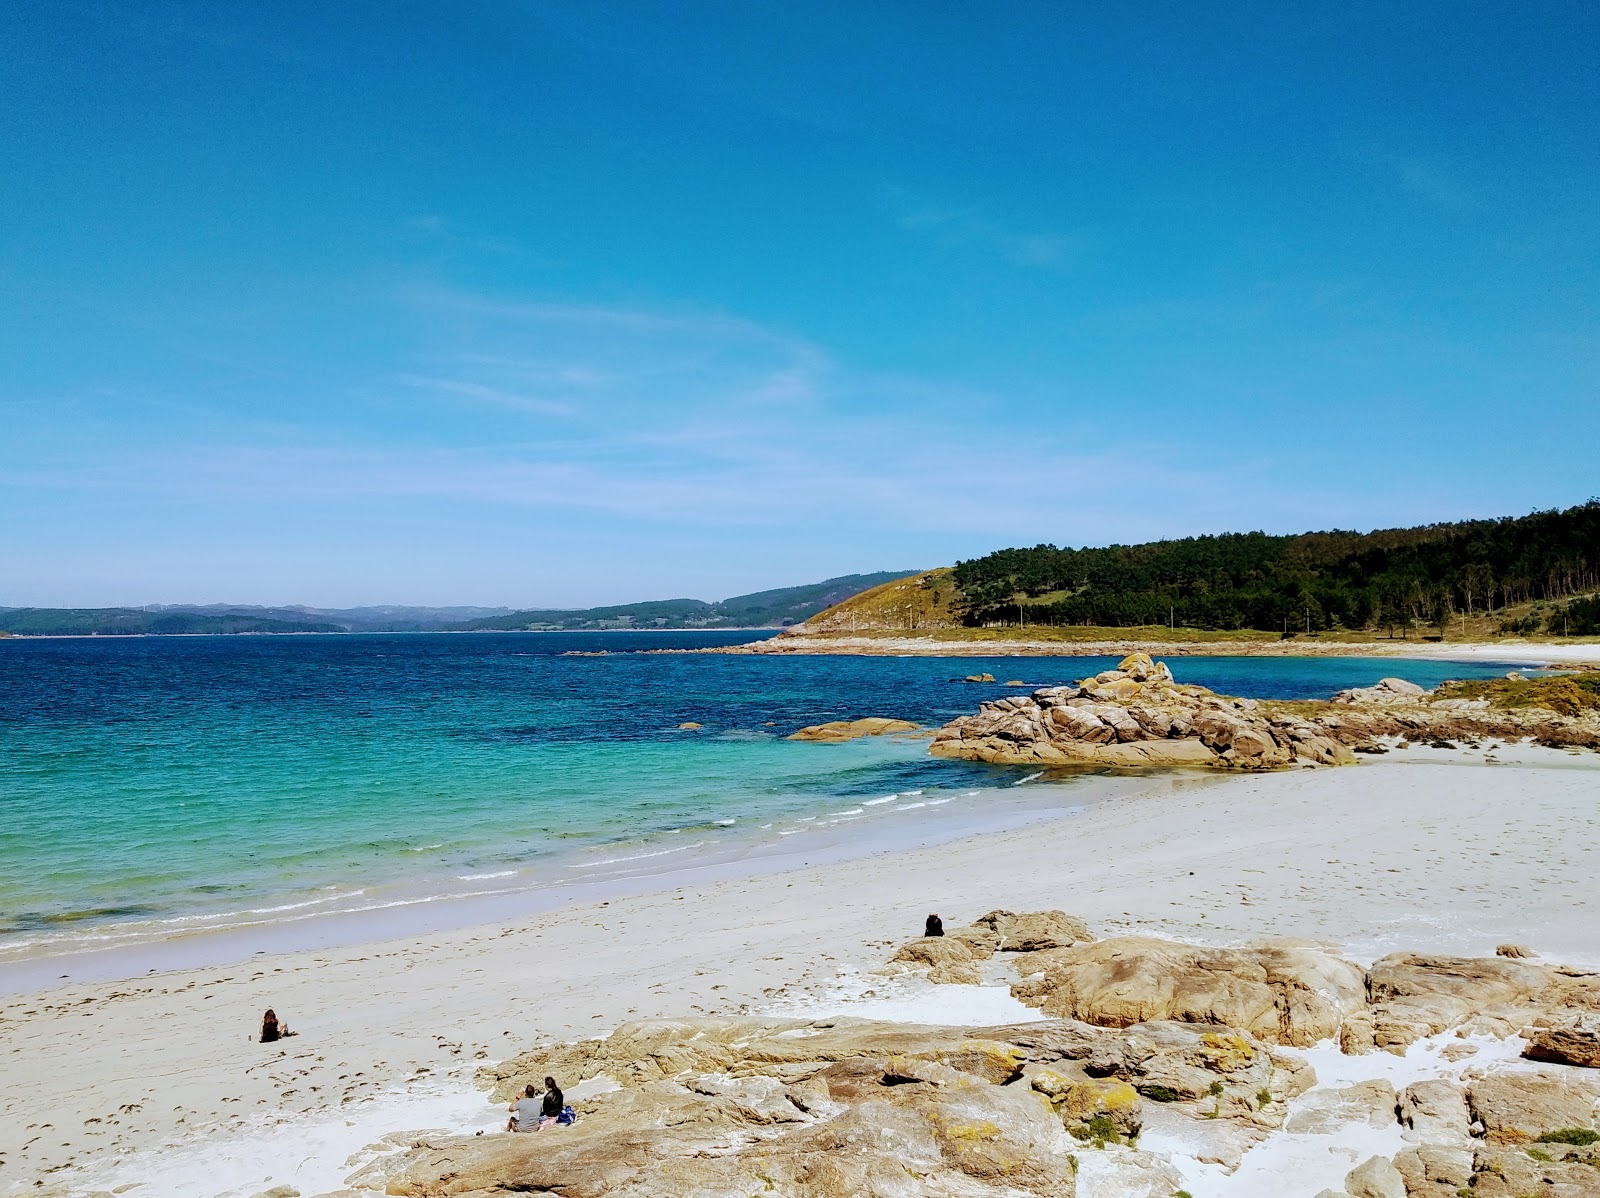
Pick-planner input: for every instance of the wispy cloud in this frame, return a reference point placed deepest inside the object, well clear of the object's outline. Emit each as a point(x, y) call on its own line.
point(970, 225)
point(1432, 181)
point(454, 236)
point(1420, 175)
point(700, 419)
point(673, 423)
point(467, 389)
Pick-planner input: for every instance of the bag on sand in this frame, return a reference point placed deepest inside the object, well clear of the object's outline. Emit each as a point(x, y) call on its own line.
point(567, 1116)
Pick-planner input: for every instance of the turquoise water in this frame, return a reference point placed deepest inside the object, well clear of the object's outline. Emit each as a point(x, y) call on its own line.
point(157, 786)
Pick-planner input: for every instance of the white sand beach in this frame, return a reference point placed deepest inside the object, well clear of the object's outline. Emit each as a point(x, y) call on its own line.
point(159, 1080)
point(1584, 654)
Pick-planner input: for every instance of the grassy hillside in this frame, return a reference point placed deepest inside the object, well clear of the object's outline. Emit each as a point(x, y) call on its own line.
point(918, 602)
point(762, 609)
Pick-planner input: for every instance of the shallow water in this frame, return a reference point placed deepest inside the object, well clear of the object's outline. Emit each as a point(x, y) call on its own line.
point(153, 786)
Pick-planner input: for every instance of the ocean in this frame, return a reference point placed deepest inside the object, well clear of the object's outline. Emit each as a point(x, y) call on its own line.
point(153, 788)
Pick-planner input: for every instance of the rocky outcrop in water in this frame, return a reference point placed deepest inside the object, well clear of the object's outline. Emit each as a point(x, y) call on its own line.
point(1138, 715)
point(838, 731)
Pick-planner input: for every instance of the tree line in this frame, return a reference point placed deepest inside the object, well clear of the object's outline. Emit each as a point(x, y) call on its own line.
point(1388, 579)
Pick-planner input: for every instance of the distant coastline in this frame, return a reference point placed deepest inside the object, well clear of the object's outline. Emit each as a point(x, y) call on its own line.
point(772, 609)
point(168, 636)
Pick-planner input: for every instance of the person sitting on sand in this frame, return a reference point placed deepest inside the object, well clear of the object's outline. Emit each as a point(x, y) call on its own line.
point(271, 1029)
point(935, 926)
point(525, 1111)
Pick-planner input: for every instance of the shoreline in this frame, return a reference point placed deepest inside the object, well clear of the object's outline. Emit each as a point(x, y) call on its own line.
point(527, 860)
point(1584, 656)
point(1052, 800)
point(1422, 849)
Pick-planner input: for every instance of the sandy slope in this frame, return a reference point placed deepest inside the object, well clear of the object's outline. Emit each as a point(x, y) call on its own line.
point(1426, 849)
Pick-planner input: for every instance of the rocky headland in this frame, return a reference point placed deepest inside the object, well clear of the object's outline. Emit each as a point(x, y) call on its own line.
point(1139, 715)
point(1150, 1051)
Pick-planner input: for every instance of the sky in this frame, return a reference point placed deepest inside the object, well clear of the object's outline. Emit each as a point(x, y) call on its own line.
point(557, 304)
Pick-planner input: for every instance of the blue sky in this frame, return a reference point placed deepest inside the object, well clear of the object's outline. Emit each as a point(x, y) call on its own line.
point(567, 303)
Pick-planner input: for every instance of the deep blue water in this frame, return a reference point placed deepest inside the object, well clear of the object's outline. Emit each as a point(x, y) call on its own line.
point(156, 784)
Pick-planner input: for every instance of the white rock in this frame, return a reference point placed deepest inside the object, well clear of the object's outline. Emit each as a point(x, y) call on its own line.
point(1376, 1177)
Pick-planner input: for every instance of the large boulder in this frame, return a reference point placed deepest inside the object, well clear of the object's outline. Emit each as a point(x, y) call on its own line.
point(1441, 1169)
point(1415, 995)
point(935, 950)
point(1375, 1178)
point(957, 956)
point(952, 959)
point(1515, 1108)
point(1324, 1112)
point(1546, 1171)
point(1034, 931)
point(1092, 1108)
point(1434, 1112)
point(838, 731)
point(1079, 724)
point(1385, 690)
point(1283, 994)
point(1141, 668)
point(1574, 1043)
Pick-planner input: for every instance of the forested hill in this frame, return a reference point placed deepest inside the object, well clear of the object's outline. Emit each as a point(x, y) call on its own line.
point(762, 609)
point(1313, 581)
point(132, 621)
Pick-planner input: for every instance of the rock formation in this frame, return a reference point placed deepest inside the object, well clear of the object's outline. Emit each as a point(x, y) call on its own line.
point(1147, 1034)
point(1282, 994)
point(1135, 715)
point(1576, 1042)
point(1385, 690)
point(1138, 715)
point(955, 957)
point(810, 1109)
point(837, 731)
point(835, 1108)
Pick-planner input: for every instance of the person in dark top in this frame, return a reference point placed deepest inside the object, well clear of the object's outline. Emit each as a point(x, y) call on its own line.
point(935, 926)
point(554, 1100)
point(271, 1029)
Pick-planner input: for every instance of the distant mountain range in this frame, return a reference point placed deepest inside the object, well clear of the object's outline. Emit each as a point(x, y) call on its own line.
point(764, 609)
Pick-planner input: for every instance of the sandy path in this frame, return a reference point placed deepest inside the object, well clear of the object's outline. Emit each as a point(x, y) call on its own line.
point(1425, 849)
